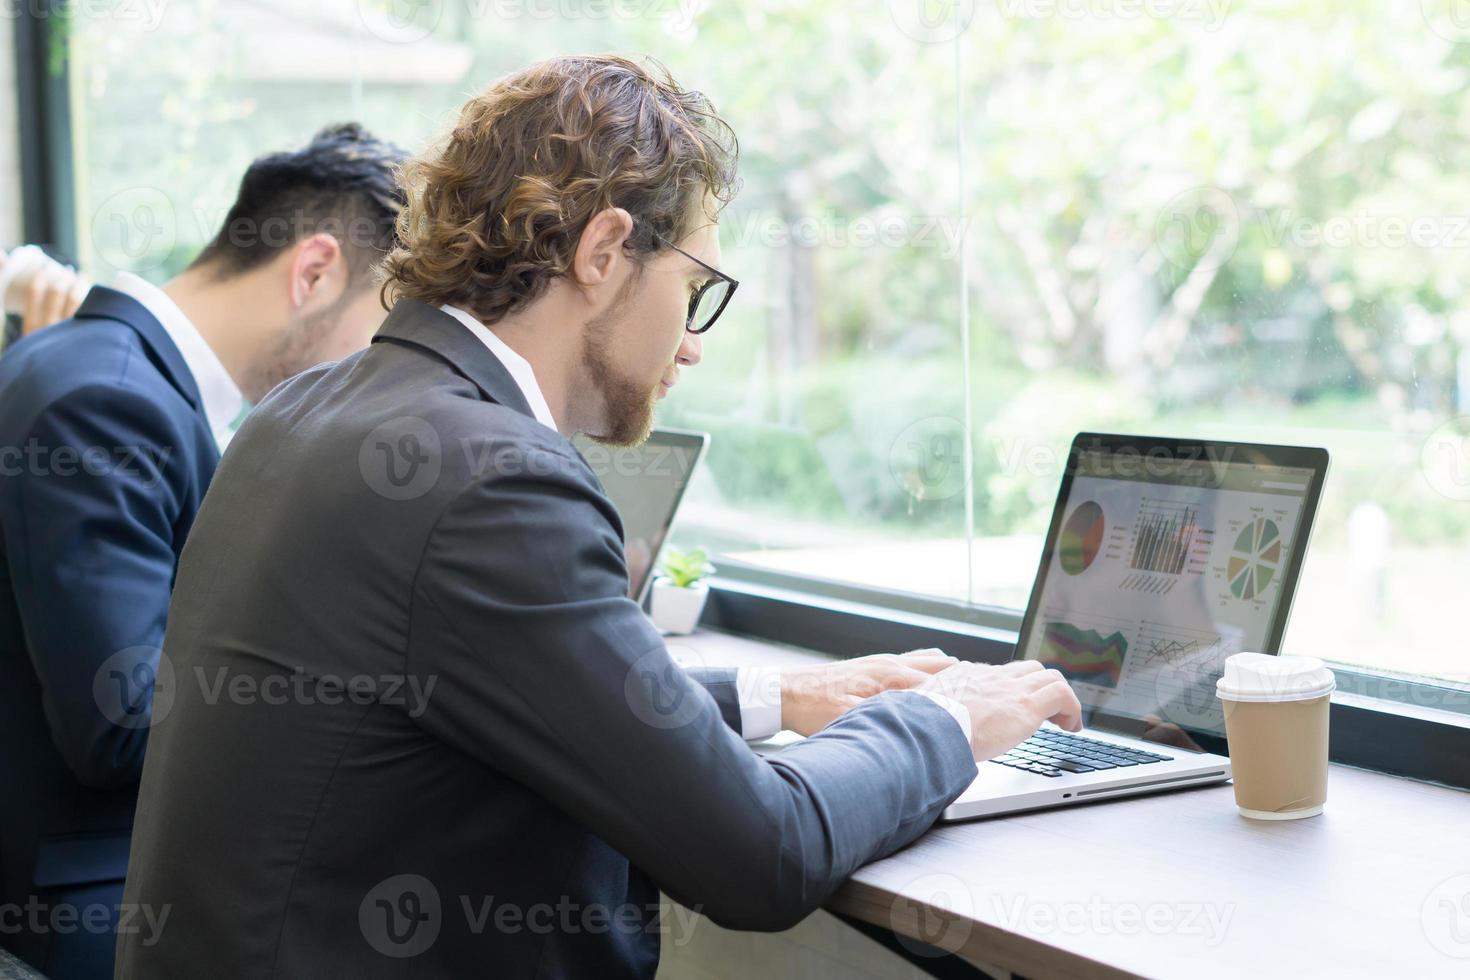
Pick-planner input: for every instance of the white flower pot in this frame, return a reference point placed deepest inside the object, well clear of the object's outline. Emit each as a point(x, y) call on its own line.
point(675, 610)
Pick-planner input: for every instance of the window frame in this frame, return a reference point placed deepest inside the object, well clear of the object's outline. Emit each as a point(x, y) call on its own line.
point(43, 115)
point(1398, 724)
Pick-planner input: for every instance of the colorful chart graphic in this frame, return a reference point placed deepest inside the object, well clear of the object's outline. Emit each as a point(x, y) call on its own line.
point(1255, 558)
point(1082, 536)
point(1084, 655)
point(1165, 532)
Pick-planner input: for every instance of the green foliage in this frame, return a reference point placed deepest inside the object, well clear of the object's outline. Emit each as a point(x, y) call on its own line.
point(1078, 155)
point(686, 568)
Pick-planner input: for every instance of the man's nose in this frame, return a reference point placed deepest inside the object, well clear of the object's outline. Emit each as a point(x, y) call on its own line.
point(691, 351)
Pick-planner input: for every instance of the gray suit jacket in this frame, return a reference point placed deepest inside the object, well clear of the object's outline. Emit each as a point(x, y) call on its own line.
point(415, 726)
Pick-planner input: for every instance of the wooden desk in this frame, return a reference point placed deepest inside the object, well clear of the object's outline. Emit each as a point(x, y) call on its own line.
point(1178, 884)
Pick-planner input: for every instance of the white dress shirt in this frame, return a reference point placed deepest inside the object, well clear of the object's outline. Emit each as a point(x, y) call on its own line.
point(224, 405)
point(759, 688)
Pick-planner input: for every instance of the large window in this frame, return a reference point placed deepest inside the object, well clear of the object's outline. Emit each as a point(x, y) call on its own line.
point(967, 231)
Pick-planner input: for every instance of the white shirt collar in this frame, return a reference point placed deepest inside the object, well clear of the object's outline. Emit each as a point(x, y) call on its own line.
point(223, 403)
point(519, 368)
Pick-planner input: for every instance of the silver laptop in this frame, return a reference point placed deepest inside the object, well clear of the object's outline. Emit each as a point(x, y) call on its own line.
point(1163, 558)
point(646, 483)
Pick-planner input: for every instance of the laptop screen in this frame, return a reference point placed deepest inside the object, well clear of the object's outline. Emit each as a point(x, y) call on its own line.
point(1164, 558)
point(645, 483)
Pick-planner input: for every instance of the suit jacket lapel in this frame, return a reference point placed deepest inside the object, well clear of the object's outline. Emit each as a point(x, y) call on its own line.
point(421, 325)
point(109, 304)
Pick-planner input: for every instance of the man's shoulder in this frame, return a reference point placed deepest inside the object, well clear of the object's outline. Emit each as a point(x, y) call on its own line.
point(409, 434)
point(86, 365)
point(74, 350)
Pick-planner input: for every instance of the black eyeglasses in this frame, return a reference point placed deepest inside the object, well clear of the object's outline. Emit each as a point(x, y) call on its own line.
point(710, 300)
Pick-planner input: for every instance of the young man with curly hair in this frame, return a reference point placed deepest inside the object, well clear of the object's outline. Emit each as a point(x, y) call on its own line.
point(483, 760)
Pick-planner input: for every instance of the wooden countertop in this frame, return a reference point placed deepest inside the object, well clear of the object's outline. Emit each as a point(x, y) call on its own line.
point(1178, 884)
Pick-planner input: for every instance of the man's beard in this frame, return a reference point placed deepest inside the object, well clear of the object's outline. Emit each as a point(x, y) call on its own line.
point(627, 404)
point(300, 348)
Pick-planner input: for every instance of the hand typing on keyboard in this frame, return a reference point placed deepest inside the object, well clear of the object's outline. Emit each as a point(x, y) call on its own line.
point(1007, 702)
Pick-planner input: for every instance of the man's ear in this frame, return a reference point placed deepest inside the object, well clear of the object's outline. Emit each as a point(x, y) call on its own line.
point(317, 271)
point(600, 249)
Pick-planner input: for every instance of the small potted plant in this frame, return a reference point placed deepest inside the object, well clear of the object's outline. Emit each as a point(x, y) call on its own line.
point(680, 592)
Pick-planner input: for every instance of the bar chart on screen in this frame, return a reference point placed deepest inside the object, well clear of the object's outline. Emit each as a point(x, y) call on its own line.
point(1166, 543)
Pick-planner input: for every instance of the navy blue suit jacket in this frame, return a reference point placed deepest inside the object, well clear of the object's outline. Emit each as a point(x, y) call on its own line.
point(105, 454)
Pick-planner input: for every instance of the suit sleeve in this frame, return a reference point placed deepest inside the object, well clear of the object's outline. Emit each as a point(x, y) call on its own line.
point(548, 671)
point(92, 570)
point(720, 683)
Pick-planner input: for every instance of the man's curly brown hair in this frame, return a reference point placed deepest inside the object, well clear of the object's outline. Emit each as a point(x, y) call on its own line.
point(495, 211)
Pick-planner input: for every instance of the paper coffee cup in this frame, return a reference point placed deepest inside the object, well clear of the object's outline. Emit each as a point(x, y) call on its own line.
point(1276, 712)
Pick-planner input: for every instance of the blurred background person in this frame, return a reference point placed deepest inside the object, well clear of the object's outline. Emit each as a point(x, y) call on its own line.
point(111, 426)
point(36, 291)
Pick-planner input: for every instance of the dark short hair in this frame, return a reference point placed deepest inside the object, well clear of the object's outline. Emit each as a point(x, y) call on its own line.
point(495, 210)
point(344, 183)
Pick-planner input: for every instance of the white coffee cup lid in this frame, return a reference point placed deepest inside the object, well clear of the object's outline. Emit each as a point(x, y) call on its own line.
point(1260, 677)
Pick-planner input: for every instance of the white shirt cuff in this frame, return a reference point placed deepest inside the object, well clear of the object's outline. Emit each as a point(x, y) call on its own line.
point(20, 261)
point(759, 690)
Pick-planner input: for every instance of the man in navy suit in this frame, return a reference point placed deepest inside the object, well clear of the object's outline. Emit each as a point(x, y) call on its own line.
point(111, 425)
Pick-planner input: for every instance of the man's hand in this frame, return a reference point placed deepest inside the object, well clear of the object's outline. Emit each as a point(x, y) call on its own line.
point(813, 697)
point(1007, 703)
point(44, 292)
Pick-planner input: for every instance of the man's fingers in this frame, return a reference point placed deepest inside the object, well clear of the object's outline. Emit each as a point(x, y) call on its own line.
point(932, 661)
point(76, 297)
point(35, 298)
point(42, 300)
point(904, 678)
point(1037, 679)
point(55, 305)
point(1059, 704)
point(1022, 666)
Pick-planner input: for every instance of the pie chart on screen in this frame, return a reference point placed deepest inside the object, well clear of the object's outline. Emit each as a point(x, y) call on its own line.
point(1254, 561)
point(1082, 536)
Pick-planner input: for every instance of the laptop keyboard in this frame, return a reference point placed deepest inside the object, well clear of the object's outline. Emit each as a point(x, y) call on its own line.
point(1054, 753)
